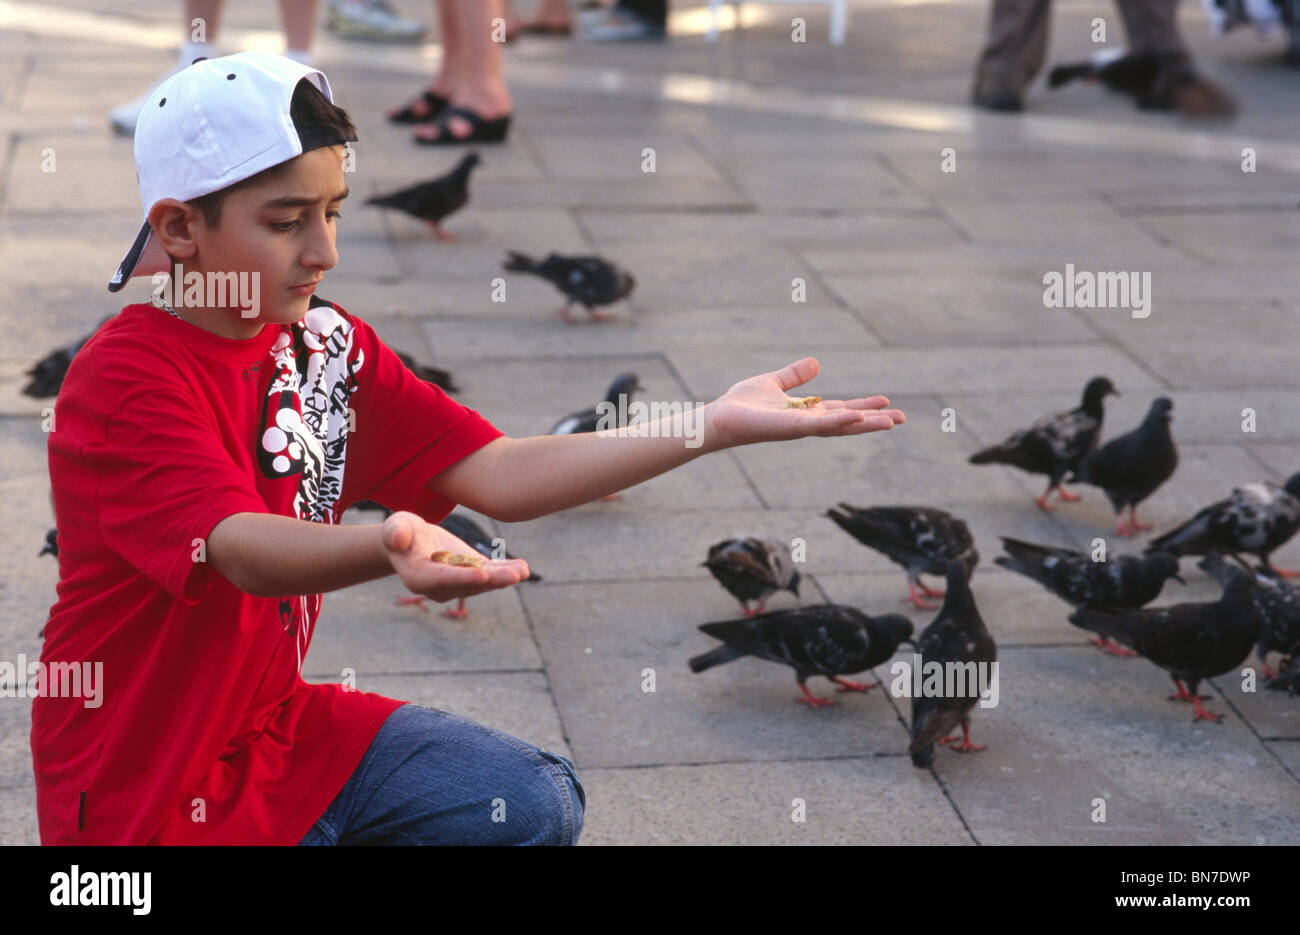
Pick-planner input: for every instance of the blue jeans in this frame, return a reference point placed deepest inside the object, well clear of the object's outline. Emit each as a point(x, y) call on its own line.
point(430, 777)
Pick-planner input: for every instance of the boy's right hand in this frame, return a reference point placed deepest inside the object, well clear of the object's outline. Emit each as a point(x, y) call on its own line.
point(409, 540)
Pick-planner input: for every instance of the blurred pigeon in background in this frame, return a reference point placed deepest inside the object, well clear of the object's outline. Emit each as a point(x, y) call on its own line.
point(585, 280)
point(436, 200)
point(753, 569)
point(1131, 467)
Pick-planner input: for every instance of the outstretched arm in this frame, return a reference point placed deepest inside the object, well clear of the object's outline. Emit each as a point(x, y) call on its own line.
point(516, 479)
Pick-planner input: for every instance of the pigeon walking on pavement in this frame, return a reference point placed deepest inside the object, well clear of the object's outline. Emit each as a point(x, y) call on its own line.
point(597, 417)
point(921, 539)
point(1277, 602)
point(1154, 80)
point(1055, 444)
point(830, 640)
point(1131, 467)
point(47, 373)
point(1125, 581)
point(1255, 519)
point(753, 569)
point(477, 538)
point(956, 638)
point(588, 281)
point(1189, 641)
point(433, 201)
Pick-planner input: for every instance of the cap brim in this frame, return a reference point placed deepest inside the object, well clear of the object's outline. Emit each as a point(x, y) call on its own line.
point(145, 258)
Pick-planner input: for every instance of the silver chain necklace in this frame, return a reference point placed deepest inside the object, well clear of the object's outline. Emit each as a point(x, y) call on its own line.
point(157, 302)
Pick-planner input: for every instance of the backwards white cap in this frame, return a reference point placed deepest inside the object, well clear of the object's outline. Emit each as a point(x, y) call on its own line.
point(217, 122)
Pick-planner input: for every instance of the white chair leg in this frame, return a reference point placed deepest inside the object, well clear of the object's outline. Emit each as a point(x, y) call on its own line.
point(839, 14)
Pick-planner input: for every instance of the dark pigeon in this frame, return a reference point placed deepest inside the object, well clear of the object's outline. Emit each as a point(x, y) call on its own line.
point(1054, 445)
point(753, 569)
point(1126, 581)
point(588, 420)
point(827, 639)
point(51, 544)
point(1131, 467)
point(439, 378)
point(372, 505)
point(47, 373)
point(1189, 641)
point(1255, 519)
point(921, 539)
point(1154, 80)
point(957, 637)
point(436, 200)
point(585, 280)
point(1288, 680)
point(1276, 601)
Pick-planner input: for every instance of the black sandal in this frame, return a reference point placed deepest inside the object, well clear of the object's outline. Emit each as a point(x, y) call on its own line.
point(481, 130)
point(435, 103)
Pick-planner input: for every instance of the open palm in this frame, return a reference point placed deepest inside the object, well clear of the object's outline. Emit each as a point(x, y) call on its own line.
point(755, 410)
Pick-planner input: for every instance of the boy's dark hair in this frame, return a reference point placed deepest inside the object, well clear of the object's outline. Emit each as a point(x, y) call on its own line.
point(309, 108)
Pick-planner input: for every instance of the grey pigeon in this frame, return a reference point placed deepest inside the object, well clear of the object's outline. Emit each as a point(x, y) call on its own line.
point(585, 280)
point(436, 200)
point(47, 373)
point(1276, 601)
point(1054, 445)
point(588, 420)
point(920, 538)
point(1255, 518)
point(1131, 467)
point(1189, 641)
point(753, 569)
point(955, 639)
point(1123, 581)
point(826, 639)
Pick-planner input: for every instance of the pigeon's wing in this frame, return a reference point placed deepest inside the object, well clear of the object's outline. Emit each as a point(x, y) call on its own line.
point(821, 643)
point(1070, 435)
point(575, 423)
point(1179, 637)
point(1196, 534)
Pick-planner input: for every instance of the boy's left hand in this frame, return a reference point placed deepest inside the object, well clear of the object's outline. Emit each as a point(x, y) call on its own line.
point(754, 410)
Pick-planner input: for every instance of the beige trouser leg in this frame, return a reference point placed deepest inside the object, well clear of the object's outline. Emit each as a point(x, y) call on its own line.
point(1016, 46)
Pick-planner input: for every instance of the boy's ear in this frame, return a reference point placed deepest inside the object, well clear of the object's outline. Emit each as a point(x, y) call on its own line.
point(173, 224)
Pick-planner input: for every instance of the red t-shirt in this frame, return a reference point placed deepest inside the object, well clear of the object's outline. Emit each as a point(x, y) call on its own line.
point(203, 730)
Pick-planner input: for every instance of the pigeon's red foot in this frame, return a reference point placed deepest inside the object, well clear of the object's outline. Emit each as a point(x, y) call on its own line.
point(1112, 648)
point(600, 316)
point(568, 316)
point(443, 235)
point(914, 598)
point(846, 686)
point(812, 700)
point(1133, 517)
point(1042, 502)
point(408, 601)
point(928, 592)
point(1184, 695)
point(1285, 572)
point(458, 612)
point(1066, 495)
point(1267, 670)
point(965, 745)
point(1203, 715)
point(747, 610)
point(1122, 529)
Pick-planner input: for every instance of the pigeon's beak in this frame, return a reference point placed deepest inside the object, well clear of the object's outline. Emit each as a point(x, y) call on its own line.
point(1179, 579)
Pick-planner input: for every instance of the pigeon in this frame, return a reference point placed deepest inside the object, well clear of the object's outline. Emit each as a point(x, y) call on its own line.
point(1189, 641)
point(1127, 581)
point(1288, 680)
point(826, 639)
point(436, 200)
point(372, 505)
point(588, 420)
point(586, 280)
point(473, 535)
point(1256, 518)
point(1155, 81)
point(1276, 601)
point(438, 377)
point(1054, 445)
point(955, 638)
point(47, 373)
point(921, 539)
point(1130, 468)
point(753, 569)
point(51, 544)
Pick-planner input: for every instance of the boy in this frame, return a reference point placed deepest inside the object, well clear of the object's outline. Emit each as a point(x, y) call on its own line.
point(201, 459)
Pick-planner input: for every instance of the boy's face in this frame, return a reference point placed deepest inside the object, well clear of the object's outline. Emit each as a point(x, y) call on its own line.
point(281, 227)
